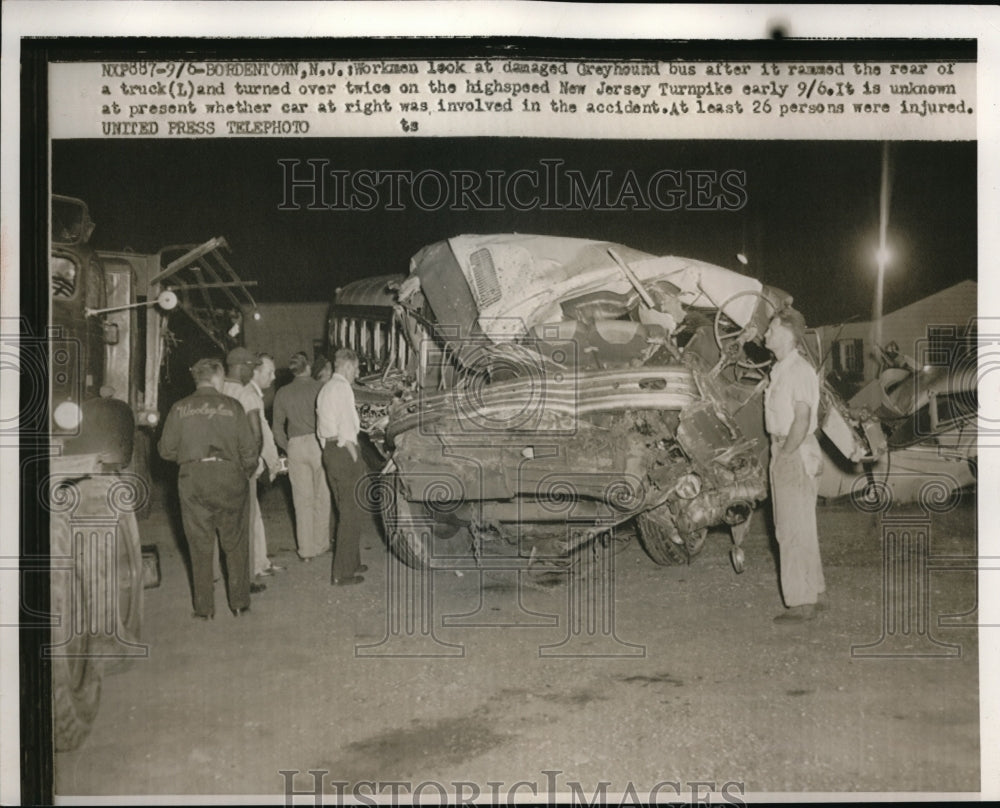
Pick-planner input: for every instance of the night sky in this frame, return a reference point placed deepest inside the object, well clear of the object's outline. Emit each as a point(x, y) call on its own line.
point(809, 225)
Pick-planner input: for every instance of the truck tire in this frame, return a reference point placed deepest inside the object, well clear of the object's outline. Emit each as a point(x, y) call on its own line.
point(114, 496)
point(130, 592)
point(76, 697)
point(656, 538)
point(139, 466)
point(76, 676)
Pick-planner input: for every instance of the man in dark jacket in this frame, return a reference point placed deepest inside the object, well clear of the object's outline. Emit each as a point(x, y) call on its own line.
point(207, 434)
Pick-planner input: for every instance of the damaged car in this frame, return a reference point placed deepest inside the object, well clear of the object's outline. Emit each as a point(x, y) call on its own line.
point(929, 416)
point(534, 396)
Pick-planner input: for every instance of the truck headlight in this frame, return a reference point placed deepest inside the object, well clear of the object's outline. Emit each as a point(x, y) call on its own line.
point(63, 276)
point(68, 415)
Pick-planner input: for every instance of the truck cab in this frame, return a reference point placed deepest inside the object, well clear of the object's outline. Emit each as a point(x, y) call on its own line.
point(109, 315)
point(91, 413)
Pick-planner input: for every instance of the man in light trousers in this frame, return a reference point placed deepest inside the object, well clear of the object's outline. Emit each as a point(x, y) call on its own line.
point(791, 404)
point(252, 399)
point(295, 434)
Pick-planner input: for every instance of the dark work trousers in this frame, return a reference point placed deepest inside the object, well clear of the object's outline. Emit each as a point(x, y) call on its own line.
point(214, 497)
point(343, 474)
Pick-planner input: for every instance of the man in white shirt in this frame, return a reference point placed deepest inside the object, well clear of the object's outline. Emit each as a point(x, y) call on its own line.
point(337, 426)
point(791, 405)
point(251, 396)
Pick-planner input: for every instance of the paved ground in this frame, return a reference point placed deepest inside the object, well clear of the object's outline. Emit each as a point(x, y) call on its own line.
point(685, 679)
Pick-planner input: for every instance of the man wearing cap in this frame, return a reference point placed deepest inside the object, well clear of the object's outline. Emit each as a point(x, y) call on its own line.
point(791, 404)
point(208, 435)
point(337, 427)
point(239, 365)
point(295, 433)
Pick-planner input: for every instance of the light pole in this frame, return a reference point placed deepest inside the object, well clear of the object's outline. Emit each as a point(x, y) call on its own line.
point(882, 253)
point(882, 259)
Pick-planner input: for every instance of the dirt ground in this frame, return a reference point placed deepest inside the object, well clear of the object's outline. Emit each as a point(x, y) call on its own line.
point(634, 675)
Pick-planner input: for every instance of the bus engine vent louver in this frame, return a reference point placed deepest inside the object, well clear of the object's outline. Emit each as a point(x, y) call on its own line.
point(485, 276)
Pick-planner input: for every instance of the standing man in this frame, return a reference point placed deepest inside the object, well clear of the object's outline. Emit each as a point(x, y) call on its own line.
point(337, 428)
point(252, 399)
point(791, 403)
point(240, 364)
point(208, 435)
point(295, 433)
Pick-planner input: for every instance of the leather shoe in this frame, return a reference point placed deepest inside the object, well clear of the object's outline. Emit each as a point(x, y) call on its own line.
point(797, 614)
point(205, 617)
point(362, 568)
point(241, 611)
point(265, 573)
point(353, 579)
point(256, 588)
point(275, 567)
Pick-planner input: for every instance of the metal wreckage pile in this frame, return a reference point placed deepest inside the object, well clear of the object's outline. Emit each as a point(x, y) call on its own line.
point(533, 396)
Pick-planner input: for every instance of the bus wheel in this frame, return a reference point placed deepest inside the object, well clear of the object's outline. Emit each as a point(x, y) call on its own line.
point(417, 538)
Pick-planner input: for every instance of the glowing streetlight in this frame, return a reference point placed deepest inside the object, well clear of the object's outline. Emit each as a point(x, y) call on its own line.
point(882, 254)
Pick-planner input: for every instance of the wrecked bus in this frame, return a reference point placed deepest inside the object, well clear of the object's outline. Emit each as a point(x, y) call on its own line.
point(560, 391)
